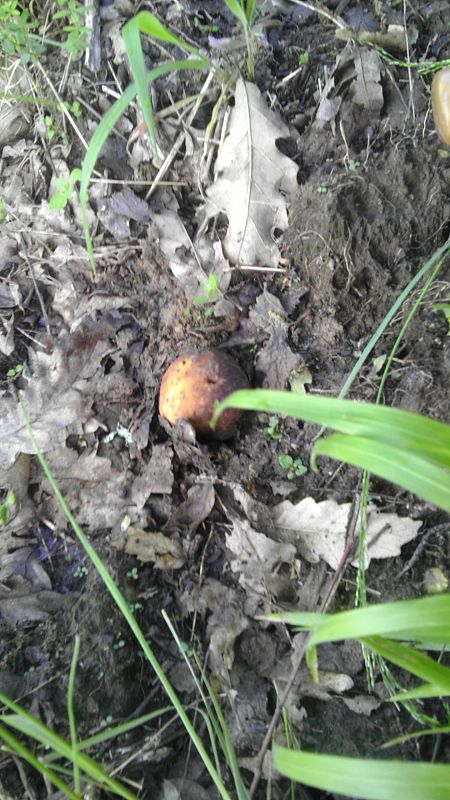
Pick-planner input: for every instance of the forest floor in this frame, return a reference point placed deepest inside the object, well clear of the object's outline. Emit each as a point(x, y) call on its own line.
point(215, 533)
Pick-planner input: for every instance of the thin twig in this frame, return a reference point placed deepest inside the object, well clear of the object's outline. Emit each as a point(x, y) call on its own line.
point(444, 526)
point(39, 296)
point(63, 108)
point(319, 9)
point(180, 138)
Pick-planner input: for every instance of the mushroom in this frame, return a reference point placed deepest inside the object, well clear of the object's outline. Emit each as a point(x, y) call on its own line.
point(193, 384)
point(440, 97)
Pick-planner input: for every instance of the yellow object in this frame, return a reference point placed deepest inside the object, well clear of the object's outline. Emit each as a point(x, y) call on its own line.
point(440, 96)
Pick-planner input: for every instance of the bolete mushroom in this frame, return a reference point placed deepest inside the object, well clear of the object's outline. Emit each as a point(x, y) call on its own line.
point(193, 384)
point(440, 97)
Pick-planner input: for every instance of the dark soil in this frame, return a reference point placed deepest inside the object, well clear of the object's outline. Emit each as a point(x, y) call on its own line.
point(371, 208)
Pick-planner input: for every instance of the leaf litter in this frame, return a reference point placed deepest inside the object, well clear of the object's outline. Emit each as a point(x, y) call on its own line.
point(155, 501)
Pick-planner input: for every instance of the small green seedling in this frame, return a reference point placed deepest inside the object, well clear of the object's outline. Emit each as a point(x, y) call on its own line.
point(14, 372)
point(133, 574)
point(295, 468)
point(245, 11)
point(64, 190)
point(445, 308)
point(211, 291)
point(6, 507)
point(275, 428)
point(51, 127)
point(321, 190)
point(2, 209)
point(80, 571)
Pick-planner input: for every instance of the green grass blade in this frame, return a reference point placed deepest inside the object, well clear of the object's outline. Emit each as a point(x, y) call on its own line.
point(104, 129)
point(132, 40)
point(127, 614)
point(149, 24)
point(238, 11)
point(145, 22)
point(114, 113)
point(16, 746)
point(250, 10)
point(437, 731)
point(366, 779)
point(438, 256)
point(111, 733)
point(71, 715)
point(391, 425)
point(414, 473)
point(403, 619)
point(419, 693)
point(24, 722)
point(415, 662)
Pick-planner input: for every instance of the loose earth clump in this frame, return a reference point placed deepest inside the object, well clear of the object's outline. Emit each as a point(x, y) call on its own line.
point(185, 522)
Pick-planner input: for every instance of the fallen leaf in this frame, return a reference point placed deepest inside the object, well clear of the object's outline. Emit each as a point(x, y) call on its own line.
point(156, 477)
point(20, 512)
point(256, 559)
point(7, 343)
point(367, 89)
point(21, 607)
point(55, 394)
point(318, 530)
point(275, 359)
point(226, 622)
point(362, 704)
point(253, 180)
point(164, 551)
point(190, 260)
point(24, 562)
point(194, 510)
point(10, 294)
point(116, 211)
point(184, 789)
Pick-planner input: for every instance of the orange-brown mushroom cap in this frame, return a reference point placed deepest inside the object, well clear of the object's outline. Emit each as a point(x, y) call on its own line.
point(193, 384)
point(440, 96)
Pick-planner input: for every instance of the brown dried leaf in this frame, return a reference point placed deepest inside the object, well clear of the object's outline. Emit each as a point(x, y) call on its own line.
point(156, 477)
point(194, 510)
point(54, 397)
point(253, 180)
point(165, 552)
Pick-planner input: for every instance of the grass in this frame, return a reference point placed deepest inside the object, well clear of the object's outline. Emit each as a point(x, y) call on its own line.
point(21, 31)
point(407, 449)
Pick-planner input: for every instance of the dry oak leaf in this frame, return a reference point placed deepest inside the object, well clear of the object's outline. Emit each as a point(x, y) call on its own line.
point(56, 395)
point(253, 180)
point(165, 552)
point(318, 530)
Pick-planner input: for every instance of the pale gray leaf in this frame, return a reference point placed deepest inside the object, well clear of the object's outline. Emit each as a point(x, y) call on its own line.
point(253, 180)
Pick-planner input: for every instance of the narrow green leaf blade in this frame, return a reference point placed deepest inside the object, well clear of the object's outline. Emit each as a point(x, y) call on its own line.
point(394, 426)
point(151, 25)
point(366, 779)
point(415, 662)
point(132, 40)
point(419, 693)
point(236, 9)
point(413, 472)
point(403, 619)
